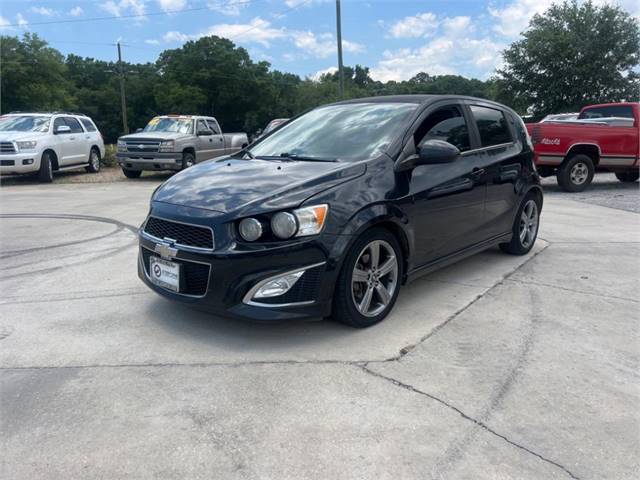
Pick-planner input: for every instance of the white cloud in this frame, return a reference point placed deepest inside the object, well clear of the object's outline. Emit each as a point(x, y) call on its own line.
point(152, 41)
point(296, 3)
point(4, 24)
point(322, 45)
point(177, 37)
point(21, 21)
point(318, 75)
point(458, 25)
point(124, 7)
point(514, 18)
point(172, 5)
point(47, 12)
point(76, 11)
point(420, 25)
point(257, 30)
point(233, 8)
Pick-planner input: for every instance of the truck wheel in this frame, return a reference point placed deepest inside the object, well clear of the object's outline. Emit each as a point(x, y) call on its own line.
point(94, 161)
point(628, 177)
point(525, 227)
point(131, 173)
point(369, 281)
point(45, 174)
point(576, 173)
point(188, 160)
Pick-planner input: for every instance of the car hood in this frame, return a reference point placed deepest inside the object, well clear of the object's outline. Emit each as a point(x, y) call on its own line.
point(153, 136)
point(20, 136)
point(234, 185)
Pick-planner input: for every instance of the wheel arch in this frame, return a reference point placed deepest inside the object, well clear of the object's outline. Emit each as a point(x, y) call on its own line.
point(592, 150)
point(189, 149)
point(54, 157)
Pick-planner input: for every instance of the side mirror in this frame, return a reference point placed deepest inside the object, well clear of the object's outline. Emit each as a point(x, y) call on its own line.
point(63, 129)
point(205, 133)
point(429, 153)
point(138, 130)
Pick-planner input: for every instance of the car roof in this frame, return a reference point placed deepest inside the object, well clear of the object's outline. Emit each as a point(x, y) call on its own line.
point(418, 99)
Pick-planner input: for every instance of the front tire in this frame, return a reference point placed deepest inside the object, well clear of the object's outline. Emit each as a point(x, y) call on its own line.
point(94, 161)
point(525, 227)
point(45, 174)
point(131, 173)
point(188, 160)
point(576, 173)
point(369, 282)
point(628, 177)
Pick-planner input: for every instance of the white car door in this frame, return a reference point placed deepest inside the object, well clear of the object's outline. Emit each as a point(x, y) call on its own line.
point(206, 143)
point(218, 138)
point(91, 135)
point(64, 141)
point(79, 145)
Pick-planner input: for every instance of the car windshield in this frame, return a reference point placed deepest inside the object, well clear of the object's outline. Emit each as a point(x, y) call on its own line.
point(273, 124)
point(24, 123)
point(338, 132)
point(169, 124)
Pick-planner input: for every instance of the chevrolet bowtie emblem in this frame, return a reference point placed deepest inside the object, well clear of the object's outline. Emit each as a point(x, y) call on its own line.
point(166, 250)
point(140, 146)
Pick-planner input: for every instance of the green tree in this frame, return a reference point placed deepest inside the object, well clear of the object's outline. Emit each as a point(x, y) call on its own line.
point(570, 56)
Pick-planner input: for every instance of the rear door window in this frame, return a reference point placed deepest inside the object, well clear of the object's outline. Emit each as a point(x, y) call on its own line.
point(74, 124)
point(213, 125)
point(492, 126)
point(88, 125)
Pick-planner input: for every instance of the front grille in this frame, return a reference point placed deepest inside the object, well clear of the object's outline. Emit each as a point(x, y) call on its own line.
point(305, 289)
point(195, 275)
point(143, 146)
point(7, 147)
point(181, 233)
point(7, 163)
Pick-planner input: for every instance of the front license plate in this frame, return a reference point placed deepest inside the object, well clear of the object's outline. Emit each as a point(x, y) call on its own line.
point(165, 274)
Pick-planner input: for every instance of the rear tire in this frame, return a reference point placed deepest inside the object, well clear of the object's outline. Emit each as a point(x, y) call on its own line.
point(131, 173)
point(367, 289)
point(576, 173)
point(45, 174)
point(628, 177)
point(94, 161)
point(525, 227)
point(188, 160)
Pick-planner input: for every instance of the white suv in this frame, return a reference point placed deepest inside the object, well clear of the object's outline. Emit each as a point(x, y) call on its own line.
point(46, 142)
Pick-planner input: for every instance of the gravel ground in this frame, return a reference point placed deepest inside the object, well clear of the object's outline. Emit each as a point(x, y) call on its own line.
point(605, 190)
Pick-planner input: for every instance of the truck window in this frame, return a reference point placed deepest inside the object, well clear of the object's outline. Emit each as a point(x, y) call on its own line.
point(88, 125)
point(73, 124)
point(201, 126)
point(492, 126)
point(620, 111)
point(213, 125)
point(446, 124)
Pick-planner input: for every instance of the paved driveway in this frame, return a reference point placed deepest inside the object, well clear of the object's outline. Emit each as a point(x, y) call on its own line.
point(498, 367)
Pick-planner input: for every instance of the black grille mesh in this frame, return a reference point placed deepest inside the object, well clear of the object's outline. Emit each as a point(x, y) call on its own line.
point(196, 275)
point(305, 289)
point(189, 235)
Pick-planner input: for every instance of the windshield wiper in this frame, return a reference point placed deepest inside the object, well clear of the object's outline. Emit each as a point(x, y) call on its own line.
point(303, 158)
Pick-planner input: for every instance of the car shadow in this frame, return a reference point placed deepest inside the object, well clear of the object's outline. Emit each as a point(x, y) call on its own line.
point(601, 183)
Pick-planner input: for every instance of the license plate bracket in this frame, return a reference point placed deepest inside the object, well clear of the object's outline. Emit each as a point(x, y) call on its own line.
point(165, 274)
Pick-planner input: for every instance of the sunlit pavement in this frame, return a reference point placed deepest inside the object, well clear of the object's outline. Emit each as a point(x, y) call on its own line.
point(498, 367)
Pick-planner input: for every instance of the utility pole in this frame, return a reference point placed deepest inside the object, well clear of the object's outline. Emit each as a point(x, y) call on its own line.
point(125, 126)
point(339, 35)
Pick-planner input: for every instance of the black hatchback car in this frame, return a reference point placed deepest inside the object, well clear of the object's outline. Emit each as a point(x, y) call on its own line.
point(331, 213)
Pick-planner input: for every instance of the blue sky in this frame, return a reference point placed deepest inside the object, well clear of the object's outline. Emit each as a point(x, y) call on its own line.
point(395, 38)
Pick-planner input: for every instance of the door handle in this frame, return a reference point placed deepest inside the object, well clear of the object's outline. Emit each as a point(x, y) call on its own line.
point(220, 139)
point(476, 172)
point(211, 139)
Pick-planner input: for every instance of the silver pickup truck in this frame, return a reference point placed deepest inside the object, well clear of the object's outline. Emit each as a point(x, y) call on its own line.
point(175, 142)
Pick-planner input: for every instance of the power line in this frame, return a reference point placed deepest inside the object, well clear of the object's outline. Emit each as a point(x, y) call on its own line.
point(123, 17)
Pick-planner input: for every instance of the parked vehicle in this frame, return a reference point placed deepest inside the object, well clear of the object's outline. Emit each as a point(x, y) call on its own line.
point(334, 211)
point(175, 142)
point(44, 143)
point(276, 122)
point(560, 117)
point(603, 138)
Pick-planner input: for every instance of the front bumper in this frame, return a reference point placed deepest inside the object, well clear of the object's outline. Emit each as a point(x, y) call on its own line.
point(150, 161)
point(21, 162)
point(229, 277)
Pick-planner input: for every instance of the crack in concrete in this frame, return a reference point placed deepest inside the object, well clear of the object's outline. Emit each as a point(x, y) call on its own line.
point(477, 422)
point(573, 290)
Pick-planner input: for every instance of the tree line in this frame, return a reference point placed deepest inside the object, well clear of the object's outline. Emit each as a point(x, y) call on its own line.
point(570, 56)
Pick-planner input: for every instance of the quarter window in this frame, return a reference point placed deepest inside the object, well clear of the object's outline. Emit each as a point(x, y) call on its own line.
point(446, 124)
point(492, 126)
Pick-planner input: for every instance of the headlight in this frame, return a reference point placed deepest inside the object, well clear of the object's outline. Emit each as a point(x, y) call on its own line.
point(311, 219)
point(284, 225)
point(28, 145)
point(167, 146)
point(122, 146)
point(250, 229)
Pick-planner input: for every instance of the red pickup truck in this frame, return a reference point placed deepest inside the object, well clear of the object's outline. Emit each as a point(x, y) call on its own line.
point(602, 138)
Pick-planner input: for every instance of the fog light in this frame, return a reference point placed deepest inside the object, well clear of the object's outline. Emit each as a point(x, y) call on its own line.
point(27, 161)
point(278, 286)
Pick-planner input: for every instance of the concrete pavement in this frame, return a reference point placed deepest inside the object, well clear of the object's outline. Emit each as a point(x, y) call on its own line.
point(498, 367)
